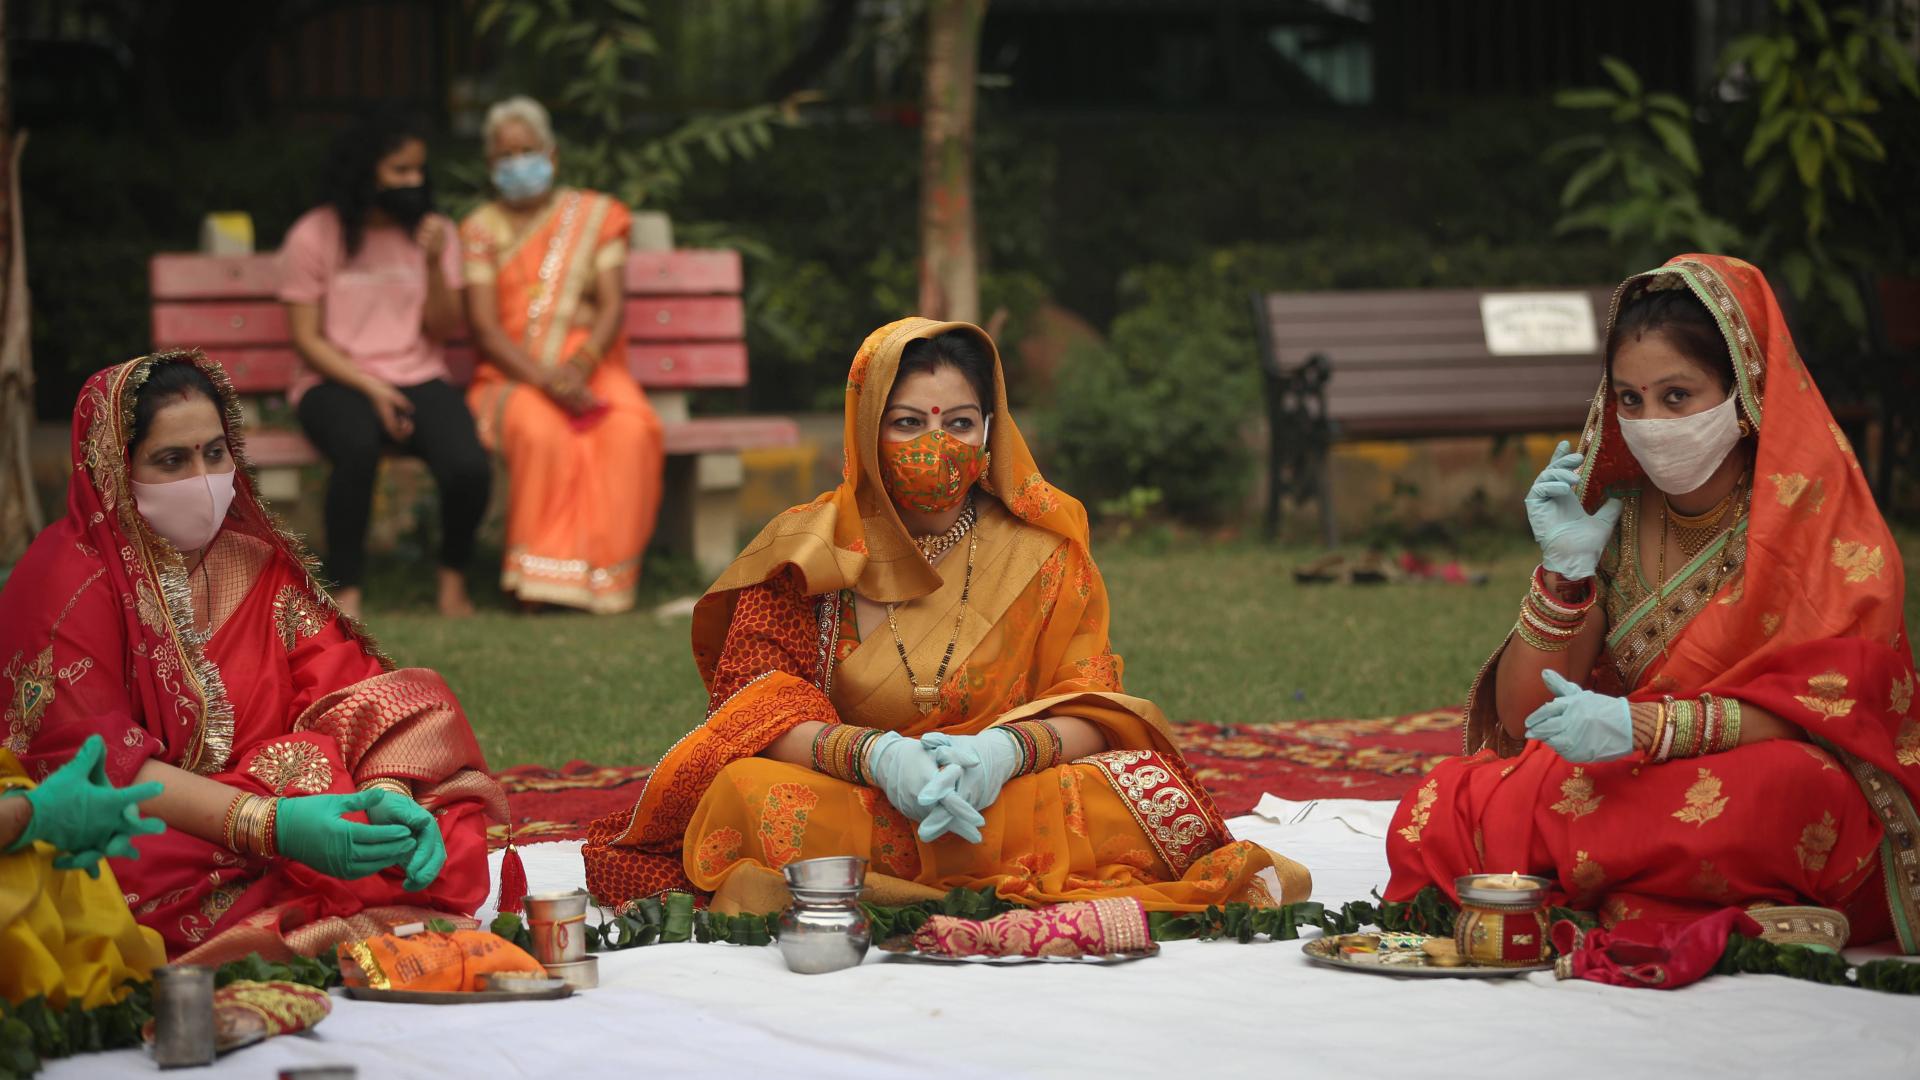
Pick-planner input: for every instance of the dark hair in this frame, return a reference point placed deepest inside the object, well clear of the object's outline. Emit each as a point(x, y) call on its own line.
point(169, 380)
point(1678, 316)
point(348, 182)
point(957, 349)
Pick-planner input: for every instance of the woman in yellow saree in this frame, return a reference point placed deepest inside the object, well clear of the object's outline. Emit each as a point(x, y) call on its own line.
point(552, 395)
point(65, 931)
point(914, 668)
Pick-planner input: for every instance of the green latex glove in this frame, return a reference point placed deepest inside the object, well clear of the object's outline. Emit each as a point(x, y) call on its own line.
point(429, 848)
point(78, 810)
point(311, 829)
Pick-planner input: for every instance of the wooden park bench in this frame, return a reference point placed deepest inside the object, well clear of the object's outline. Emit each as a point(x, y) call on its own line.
point(685, 326)
point(1417, 363)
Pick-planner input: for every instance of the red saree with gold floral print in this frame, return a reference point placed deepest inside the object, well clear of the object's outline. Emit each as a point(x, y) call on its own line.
point(1798, 611)
point(241, 670)
point(775, 643)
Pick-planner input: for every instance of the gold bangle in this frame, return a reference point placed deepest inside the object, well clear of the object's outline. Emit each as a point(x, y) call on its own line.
point(388, 783)
point(232, 819)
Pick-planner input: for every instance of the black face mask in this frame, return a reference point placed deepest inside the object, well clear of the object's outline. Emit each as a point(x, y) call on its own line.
point(405, 205)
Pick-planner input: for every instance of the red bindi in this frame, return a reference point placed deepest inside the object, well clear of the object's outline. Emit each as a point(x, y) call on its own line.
point(936, 410)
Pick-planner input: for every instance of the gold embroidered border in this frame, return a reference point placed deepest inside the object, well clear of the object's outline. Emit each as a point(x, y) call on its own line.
point(1899, 846)
point(1169, 814)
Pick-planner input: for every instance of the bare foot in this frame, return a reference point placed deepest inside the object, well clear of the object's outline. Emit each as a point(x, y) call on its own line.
point(454, 602)
point(348, 601)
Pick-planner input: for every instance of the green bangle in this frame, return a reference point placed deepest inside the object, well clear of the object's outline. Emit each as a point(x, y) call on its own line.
point(1729, 723)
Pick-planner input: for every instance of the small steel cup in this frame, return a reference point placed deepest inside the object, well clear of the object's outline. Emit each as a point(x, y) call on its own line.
point(835, 873)
point(558, 923)
point(182, 1016)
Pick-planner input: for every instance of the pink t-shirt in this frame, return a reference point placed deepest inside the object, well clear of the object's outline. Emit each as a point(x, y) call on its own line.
point(370, 305)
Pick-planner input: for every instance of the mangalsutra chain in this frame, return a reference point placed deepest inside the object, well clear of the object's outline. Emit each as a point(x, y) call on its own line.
point(932, 547)
point(926, 697)
point(1695, 532)
point(1744, 493)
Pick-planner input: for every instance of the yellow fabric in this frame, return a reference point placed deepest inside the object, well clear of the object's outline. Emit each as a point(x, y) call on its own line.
point(63, 934)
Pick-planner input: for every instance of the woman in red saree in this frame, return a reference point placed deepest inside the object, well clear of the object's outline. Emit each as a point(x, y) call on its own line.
point(545, 268)
point(914, 668)
point(312, 792)
point(1723, 715)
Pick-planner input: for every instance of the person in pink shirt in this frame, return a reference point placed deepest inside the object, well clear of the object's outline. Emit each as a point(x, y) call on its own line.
point(371, 279)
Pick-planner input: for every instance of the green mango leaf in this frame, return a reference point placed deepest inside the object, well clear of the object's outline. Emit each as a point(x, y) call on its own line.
point(1623, 74)
point(1585, 177)
point(1678, 141)
point(1669, 103)
point(1586, 98)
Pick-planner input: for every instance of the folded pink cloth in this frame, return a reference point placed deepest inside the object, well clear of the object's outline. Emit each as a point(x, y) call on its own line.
point(1638, 952)
point(1086, 928)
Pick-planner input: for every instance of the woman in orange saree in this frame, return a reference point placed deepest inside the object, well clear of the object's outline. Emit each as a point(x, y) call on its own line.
point(842, 652)
point(1745, 735)
point(552, 394)
point(312, 792)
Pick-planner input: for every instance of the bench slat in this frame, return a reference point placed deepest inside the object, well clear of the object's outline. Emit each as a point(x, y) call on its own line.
point(686, 318)
point(1401, 305)
point(662, 365)
point(1427, 354)
point(190, 276)
point(272, 449)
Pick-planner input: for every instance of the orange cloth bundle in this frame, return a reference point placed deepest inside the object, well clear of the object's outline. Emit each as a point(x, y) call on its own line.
point(432, 961)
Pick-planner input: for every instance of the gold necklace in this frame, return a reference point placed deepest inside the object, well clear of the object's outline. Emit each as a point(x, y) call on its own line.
point(926, 697)
point(932, 547)
point(1666, 519)
point(1696, 531)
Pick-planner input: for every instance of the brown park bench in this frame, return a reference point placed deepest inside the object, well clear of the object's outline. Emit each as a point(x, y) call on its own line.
point(685, 326)
point(1416, 363)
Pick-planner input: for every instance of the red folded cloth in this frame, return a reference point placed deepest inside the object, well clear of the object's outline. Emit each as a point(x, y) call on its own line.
point(1639, 952)
point(1086, 928)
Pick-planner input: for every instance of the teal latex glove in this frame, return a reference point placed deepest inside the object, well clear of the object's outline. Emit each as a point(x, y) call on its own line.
point(311, 830)
point(429, 848)
point(920, 789)
point(78, 810)
point(1580, 725)
point(987, 761)
point(1571, 540)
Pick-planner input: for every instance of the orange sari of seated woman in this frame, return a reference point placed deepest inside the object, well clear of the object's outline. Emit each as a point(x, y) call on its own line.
point(283, 696)
point(1796, 610)
point(777, 645)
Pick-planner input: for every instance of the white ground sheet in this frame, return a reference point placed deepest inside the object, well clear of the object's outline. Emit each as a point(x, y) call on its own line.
point(1198, 1010)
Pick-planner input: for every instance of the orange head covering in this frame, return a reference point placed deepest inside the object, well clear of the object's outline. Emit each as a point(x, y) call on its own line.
point(1821, 562)
point(852, 537)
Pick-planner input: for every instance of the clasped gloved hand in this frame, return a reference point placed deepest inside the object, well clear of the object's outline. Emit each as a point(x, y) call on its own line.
point(1582, 726)
point(78, 810)
point(922, 790)
point(312, 829)
point(986, 761)
point(1571, 540)
point(429, 848)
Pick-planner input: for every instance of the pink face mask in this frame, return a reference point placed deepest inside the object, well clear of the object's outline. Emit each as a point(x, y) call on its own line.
point(187, 512)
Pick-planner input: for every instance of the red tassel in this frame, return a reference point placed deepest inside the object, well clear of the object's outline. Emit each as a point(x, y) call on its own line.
point(513, 879)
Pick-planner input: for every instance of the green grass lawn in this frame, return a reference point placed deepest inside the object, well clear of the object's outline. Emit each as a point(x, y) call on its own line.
point(1211, 631)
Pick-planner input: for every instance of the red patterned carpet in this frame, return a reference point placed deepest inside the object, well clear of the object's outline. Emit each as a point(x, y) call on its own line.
point(1306, 759)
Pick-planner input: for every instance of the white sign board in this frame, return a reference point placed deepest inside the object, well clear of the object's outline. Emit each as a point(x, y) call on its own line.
point(1539, 324)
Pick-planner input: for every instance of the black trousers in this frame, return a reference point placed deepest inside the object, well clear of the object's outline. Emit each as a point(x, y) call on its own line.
point(342, 424)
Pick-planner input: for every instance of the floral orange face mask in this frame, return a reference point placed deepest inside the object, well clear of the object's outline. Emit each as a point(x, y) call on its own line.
point(931, 473)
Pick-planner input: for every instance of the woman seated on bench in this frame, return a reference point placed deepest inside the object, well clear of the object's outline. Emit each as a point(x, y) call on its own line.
point(914, 668)
point(371, 280)
point(169, 615)
point(1708, 699)
point(545, 287)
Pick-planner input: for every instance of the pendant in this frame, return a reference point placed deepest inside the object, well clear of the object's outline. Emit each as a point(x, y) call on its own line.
point(925, 698)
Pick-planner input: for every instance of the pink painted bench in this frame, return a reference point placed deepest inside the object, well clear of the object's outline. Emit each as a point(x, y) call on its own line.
point(685, 328)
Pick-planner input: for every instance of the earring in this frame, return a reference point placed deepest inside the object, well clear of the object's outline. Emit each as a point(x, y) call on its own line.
point(1746, 428)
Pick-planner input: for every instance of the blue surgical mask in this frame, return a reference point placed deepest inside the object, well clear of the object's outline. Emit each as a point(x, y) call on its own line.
point(523, 176)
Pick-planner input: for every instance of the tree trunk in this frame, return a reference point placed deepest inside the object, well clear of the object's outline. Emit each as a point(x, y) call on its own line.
point(949, 259)
point(19, 505)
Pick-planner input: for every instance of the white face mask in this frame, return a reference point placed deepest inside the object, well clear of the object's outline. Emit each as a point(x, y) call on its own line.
point(1680, 454)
